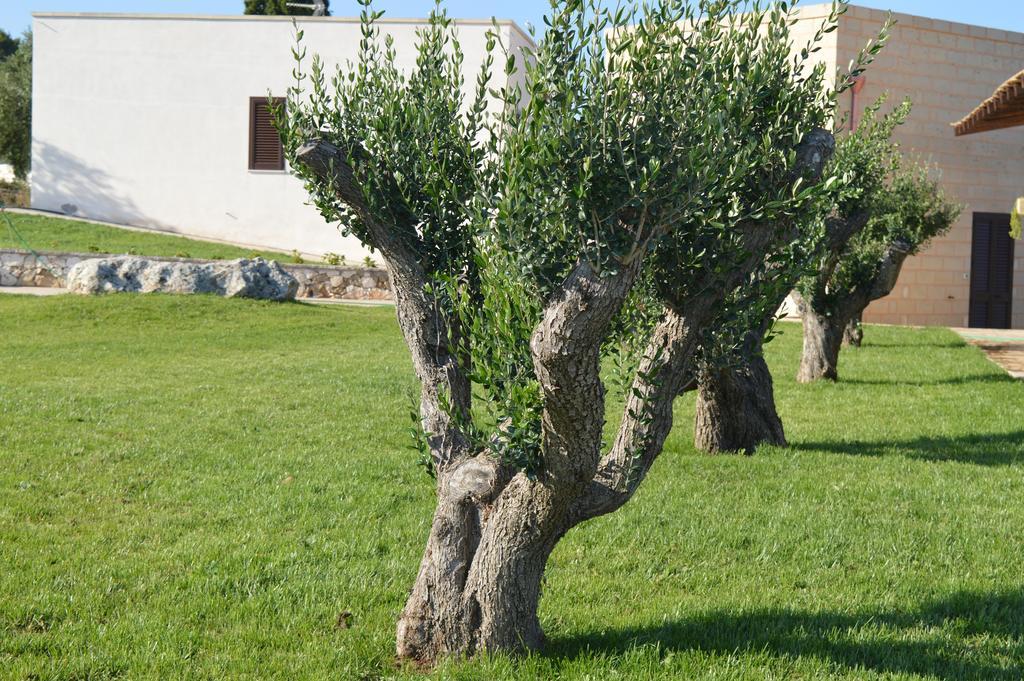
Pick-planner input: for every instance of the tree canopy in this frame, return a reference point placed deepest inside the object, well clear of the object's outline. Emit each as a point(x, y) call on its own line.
point(8, 44)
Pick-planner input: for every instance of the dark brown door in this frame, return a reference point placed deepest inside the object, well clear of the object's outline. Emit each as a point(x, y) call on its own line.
point(991, 271)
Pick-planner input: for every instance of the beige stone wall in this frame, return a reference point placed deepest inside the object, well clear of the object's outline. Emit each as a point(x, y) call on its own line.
point(811, 19)
point(946, 69)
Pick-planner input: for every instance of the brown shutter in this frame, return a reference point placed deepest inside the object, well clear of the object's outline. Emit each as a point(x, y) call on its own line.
point(991, 272)
point(265, 150)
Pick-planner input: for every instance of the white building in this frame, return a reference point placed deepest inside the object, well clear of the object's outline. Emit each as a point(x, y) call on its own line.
point(149, 120)
point(145, 120)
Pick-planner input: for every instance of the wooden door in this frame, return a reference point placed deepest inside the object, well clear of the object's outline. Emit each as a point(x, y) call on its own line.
point(991, 271)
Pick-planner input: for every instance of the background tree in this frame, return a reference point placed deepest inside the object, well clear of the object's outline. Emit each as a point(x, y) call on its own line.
point(735, 405)
point(643, 171)
point(16, 108)
point(280, 7)
point(903, 213)
point(8, 45)
point(735, 408)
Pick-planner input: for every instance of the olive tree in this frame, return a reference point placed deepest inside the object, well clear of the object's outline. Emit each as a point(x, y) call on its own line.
point(598, 215)
point(735, 404)
point(735, 400)
point(902, 208)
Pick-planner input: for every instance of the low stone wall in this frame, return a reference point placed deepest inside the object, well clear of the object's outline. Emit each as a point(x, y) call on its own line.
point(343, 283)
point(21, 268)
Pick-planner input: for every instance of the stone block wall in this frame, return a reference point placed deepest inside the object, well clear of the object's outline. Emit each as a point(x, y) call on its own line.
point(21, 268)
point(946, 69)
point(344, 283)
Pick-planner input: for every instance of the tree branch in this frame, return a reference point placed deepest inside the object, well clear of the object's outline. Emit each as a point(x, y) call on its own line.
point(566, 348)
point(326, 161)
point(424, 323)
point(887, 272)
point(665, 372)
point(889, 268)
point(329, 164)
point(813, 154)
point(839, 230)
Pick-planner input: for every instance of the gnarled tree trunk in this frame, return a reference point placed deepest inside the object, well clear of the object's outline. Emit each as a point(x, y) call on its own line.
point(827, 318)
point(478, 586)
point(736, 406)
point(823, 338)
point(736, 409)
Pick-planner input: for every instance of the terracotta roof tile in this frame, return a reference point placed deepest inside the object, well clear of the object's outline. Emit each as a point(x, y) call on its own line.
point(1004, 109)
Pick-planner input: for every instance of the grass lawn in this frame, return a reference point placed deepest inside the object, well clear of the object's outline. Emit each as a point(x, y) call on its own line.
point(46, 233)
point(196, 488)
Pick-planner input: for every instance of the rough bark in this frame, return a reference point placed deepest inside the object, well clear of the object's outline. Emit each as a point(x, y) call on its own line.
point(504, 585)
point(665, 371)
point(736, 405)
point(736, 409)
point(819, 310)
point(435, 620)
point(438, 618)
point(853, 335)
point(480, 579)
point(823, 338)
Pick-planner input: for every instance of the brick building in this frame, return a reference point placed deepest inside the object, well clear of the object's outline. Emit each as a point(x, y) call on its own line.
point(946, 69)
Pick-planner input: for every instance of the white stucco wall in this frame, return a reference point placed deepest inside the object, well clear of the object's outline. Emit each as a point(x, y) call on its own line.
point(144, 120)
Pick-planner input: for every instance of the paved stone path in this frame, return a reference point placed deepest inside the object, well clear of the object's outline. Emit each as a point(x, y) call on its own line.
point(345, 301)
point(41, 291)
point(1003, 346)
point(32, 290)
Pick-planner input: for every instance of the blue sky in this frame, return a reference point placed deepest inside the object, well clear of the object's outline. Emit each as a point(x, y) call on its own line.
point(15, 15)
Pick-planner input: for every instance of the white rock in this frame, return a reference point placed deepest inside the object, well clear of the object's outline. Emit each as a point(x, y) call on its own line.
point(256, 278)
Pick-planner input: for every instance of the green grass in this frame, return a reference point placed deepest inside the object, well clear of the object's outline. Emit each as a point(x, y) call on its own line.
point(196, 488)
point(46, 233)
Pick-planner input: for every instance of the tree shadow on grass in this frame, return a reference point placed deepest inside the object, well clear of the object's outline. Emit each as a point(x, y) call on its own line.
point(983, 449)
point(982, 637)
point(947, 345)
point(957, 380)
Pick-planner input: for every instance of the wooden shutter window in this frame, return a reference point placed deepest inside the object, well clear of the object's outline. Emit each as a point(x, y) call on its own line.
point(992, 248)
point(265, 150)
